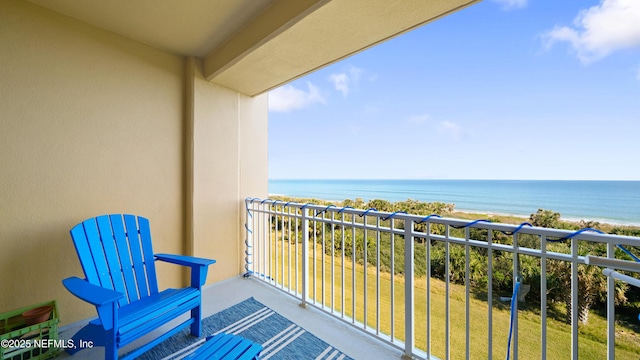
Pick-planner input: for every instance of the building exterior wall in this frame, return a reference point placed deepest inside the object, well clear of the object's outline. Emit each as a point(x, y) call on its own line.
point(229, 132)
point(253, 158)
point(215, 213)
point(94, 123)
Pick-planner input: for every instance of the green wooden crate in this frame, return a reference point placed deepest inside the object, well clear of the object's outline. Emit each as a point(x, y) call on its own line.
point(22, 342)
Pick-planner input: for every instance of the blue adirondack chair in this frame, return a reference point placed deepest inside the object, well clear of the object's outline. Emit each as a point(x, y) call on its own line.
point(118, 262)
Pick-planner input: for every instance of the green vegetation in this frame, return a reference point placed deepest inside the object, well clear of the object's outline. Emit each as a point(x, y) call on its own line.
point(376, 248)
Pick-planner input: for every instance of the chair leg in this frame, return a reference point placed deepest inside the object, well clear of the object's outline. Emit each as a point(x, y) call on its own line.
point(196, 326)
point(110, 349)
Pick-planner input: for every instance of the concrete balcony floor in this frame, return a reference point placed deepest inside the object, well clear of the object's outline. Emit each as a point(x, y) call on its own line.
point(227, 293)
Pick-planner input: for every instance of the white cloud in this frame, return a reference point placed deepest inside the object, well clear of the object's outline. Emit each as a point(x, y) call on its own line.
point(511, 4)
point(288, 98)
point(452, 129)
point(600, 30)
point(344, 81)
point(340, 82)
point(418, 119)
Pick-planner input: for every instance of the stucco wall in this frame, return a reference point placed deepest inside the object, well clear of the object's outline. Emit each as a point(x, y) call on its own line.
point(229, 130)
point(253, 157)
point(215, 167)
point(91, 123)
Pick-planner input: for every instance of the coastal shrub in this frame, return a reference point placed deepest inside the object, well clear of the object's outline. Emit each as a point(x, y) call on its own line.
point(380, 205)
point(438, 260)
point(358, 203)
point(627, 231)
point(502, 272)
point(545, 218)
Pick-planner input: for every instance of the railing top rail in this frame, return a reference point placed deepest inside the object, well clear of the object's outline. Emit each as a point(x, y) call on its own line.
point(550, 233)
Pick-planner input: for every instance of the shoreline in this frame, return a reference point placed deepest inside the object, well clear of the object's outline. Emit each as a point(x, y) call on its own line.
point(490, 214)
point(562, 218)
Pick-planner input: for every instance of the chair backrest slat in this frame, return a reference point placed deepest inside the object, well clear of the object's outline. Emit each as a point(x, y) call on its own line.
point(97, 253)
point(147, 252)
point(136, 254)
point(84, 253)
point(124, 255)
point(113, 261)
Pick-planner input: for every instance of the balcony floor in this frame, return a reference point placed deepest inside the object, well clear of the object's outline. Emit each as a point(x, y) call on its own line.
point(338, 334)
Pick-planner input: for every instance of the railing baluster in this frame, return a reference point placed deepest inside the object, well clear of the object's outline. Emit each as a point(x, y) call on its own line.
point(256, 241)
point(342, 266)
point(305, 256)
point(467, 307)
point(366, 266)
point(315, 245)
point(354, 254)
point(428, 290)
point(574, 299)
point(377, 275)
point(490, 295)
point(296, 251)
point(266, 223)
point(322, 270)
point(333, 260)
point(266, 253)
point(447, 292)
point(275, 244)
point(391, 286)
point(282, 233)
point(289, 246)
point(611, 310)
point(409, 308)
point(543, 296)
point(516, 274)
point(257, 236)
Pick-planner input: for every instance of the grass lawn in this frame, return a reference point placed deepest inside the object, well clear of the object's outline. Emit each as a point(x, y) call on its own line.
point(592, 339)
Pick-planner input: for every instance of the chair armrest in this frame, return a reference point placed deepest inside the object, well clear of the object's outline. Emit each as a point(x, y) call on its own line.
point(91, 293)
point(105, 300)
point(199, 266)
point(184, 260)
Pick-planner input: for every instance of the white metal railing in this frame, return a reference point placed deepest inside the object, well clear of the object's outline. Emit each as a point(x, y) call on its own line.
point(331, 258)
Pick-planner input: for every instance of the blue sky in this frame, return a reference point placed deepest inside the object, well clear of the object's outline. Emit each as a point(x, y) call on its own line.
point(504, 89)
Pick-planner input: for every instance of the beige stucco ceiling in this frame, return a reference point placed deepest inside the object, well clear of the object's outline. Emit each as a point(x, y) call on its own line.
point(186, 27)
point(252, 46)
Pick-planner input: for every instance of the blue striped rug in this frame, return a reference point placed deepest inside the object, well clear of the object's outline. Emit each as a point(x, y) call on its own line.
point(280, 338)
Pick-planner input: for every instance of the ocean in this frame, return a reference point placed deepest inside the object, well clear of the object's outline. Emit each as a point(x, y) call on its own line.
point(616, 202)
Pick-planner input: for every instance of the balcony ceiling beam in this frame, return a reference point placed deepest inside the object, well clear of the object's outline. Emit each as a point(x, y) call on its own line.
point(280, 46)
point(281, 15)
